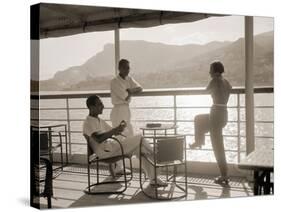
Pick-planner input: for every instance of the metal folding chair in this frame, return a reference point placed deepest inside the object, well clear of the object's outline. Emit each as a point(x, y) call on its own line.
point(169, 151)
point(93, 159)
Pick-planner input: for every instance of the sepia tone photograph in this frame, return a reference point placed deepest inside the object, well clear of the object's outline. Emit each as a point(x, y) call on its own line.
point(136, 105)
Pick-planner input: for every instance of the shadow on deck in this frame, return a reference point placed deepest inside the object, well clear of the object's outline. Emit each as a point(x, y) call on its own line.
point(70, 184)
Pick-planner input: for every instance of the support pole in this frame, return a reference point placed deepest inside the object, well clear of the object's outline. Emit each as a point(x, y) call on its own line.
point(117, 49)
point(249, 84)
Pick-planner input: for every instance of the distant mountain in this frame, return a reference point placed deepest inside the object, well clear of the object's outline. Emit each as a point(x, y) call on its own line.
point(157, 65)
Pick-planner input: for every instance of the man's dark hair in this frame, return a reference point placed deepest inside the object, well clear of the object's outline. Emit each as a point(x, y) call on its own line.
point(122, 62)
point(91, 101)
point(217, 67)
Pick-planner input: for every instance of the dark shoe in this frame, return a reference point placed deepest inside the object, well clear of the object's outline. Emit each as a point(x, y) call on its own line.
point(221, 180)
point(195, 145)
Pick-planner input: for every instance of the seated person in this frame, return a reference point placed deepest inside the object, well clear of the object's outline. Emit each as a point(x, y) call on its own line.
point(99, 131)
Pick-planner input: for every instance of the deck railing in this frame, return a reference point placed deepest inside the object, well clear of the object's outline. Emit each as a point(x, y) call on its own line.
point(174, 106)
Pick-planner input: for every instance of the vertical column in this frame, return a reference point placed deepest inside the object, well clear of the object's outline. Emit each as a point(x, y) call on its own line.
point(238, 128)
point(175, 113)
point(249, 84)
point(117, 49)
point(35, 107)
point(68, 124)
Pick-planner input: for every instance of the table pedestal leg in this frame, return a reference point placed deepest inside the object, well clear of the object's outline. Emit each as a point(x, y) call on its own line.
point(256, 183)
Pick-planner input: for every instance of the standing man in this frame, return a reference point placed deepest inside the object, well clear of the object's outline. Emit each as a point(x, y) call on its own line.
point(122, 87)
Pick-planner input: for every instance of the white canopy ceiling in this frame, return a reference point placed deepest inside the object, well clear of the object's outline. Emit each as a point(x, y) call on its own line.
point(58, 20)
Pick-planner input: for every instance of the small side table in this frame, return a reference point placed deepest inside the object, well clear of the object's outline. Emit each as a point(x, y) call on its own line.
point(51, 131)
point(261, 162)
point(155, 130)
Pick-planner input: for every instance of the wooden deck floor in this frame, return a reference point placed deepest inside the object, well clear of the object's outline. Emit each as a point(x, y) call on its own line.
point(69, 186)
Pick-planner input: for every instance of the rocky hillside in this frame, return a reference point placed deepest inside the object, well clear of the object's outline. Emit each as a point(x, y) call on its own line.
point(157, 65)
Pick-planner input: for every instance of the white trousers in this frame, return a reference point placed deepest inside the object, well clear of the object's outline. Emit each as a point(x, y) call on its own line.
point(131, 145)
point(119, 113)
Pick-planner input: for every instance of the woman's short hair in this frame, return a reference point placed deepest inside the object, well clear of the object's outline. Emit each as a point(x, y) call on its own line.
point(217, 67)
point(91, 101)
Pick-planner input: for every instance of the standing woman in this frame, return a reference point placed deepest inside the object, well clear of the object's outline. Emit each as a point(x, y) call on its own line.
point(219, 88)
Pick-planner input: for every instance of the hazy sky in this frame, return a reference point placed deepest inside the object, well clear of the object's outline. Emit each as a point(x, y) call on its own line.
point(60, 53)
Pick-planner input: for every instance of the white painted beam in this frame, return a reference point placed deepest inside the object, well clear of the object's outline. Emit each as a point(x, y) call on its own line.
point(249, 84)
point(117, 49)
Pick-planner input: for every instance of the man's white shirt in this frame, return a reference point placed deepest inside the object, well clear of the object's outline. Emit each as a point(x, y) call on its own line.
point(118, 88)
point(95, 125)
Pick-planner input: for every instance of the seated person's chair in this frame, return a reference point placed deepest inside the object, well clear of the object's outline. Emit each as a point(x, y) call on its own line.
point(92, 159)
point(45, 137)
point(37, 181)
point(41, 172)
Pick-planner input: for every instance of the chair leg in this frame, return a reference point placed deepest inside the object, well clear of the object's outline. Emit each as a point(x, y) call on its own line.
point(131, 169)
point(111, 171)
point(124, 171)
point(98, 174)
point(125, 181)
point(89, 176)
point(49, 199)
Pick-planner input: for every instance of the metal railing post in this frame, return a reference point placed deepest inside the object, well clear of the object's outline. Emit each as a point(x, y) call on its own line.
point(68, 124)
point(238, 128)
point(171, 93)
point(175, 113)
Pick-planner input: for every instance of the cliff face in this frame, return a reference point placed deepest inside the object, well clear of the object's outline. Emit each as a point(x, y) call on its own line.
point(157, 65)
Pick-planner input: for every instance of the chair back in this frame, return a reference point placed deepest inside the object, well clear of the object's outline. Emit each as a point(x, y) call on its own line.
point(90, 148)
point(44, 140)
point(170, 149)
point(34, 145)
point(42, 137)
